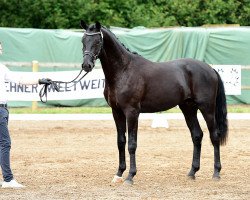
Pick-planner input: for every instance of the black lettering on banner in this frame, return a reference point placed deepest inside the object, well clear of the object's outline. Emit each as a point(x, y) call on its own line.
point(103, 81)
point(52, 89)
point(63, 87)
point(34, 88)
point(60, 87)
point(99, 83)
point(20, 88)
point(67, 88)
point(75, 85)
point(27, 89)
point(93, 85)
point(6, 86)
point(12, 87)
point(84, 85)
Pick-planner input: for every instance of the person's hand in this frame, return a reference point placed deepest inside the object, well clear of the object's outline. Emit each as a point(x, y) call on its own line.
point(45, 81)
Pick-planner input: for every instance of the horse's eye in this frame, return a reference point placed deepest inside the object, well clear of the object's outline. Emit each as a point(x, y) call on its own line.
point(98, 43)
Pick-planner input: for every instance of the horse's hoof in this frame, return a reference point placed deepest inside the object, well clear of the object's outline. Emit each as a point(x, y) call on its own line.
point(191, 177)
point(128, 182)
point(117, 179)
point(216, 178)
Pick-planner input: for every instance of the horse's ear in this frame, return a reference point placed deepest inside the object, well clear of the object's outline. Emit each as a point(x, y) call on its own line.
point(83, 25)
point(98, 25)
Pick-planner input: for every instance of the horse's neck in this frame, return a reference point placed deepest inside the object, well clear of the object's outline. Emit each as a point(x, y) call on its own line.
point(114, 57)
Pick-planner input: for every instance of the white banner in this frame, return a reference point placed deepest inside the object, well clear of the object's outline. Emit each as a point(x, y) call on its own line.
point(92, 85)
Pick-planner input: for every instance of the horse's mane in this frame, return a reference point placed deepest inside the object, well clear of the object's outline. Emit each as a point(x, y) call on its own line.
point(133, 52)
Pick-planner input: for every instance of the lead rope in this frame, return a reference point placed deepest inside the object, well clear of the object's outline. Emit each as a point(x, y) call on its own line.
point(44, 90)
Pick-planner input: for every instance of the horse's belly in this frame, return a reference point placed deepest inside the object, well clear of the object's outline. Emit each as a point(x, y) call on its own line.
point(151, 107)
point(161, 97)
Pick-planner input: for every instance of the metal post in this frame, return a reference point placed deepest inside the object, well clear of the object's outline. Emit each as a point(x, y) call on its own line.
point(34, 69)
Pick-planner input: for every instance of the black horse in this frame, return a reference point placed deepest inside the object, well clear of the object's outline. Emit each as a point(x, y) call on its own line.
point(135, 85)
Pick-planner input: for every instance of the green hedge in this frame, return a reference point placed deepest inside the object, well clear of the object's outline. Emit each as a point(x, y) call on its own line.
point(54, 14)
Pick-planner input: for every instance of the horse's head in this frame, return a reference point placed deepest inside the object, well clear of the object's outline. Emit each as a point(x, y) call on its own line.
point(92, 41)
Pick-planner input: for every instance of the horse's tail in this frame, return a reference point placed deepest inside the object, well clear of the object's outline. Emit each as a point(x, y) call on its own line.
point(221, 112)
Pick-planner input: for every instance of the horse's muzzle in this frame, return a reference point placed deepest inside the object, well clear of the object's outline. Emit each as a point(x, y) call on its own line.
point(87, 67)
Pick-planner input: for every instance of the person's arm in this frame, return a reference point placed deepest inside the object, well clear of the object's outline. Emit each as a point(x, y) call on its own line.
point(21, 79)
point(25, 79)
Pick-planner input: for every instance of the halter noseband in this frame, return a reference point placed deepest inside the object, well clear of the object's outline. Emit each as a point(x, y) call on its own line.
point(92, 55)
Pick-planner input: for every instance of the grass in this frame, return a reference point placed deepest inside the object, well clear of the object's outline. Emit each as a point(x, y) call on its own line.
point(104, 110)
point(61, 110)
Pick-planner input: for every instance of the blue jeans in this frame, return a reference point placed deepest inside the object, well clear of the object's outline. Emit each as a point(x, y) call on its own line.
point(5, 145)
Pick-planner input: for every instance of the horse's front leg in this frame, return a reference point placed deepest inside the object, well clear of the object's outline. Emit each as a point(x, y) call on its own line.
point(132, 122)
point(120, 122)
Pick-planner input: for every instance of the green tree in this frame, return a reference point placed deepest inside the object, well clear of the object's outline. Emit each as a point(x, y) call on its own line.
point(54, 14)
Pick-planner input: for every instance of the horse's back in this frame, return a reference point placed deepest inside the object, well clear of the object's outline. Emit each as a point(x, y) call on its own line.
point(190, 72)
point(190, 65)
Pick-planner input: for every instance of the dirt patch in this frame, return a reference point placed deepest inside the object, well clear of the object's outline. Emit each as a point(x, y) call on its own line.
point(78, 159)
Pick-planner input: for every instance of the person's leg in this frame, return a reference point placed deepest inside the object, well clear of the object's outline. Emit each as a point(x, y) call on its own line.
point(5, 145)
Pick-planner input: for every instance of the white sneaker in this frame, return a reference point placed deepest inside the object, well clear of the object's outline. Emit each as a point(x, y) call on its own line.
point(12, 184)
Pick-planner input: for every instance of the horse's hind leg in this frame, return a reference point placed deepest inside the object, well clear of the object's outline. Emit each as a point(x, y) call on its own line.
point(208, 113)
point(189, 110)
point(120, 122)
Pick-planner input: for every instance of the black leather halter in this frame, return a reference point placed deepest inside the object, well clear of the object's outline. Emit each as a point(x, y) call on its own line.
point(92, 55)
